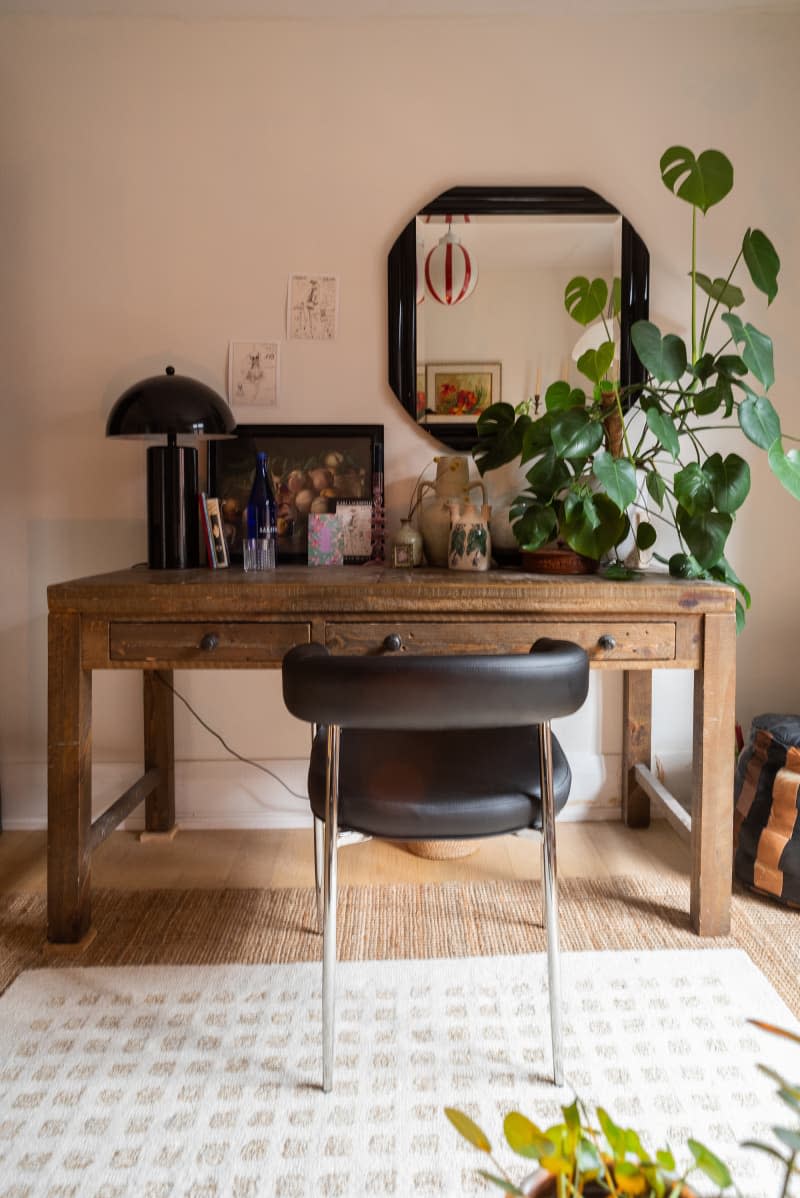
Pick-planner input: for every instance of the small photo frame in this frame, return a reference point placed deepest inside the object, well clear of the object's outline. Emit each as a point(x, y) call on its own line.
point(402, 555)
point(460, 390)
point(356, 520)
point(211, 523)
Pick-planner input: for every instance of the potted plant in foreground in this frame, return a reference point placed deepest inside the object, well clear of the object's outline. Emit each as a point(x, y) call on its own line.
point(577, 1158)
point(595, 457)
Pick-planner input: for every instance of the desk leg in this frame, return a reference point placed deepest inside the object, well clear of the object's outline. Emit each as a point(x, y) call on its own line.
point(159, 750)
point(712, 779)
point(69, 783)
point(637, 715)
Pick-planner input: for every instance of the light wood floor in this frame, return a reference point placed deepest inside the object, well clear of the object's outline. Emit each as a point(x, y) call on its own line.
point(264, 860)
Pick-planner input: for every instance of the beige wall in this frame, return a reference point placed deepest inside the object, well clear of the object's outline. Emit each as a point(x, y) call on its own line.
point(161, 179)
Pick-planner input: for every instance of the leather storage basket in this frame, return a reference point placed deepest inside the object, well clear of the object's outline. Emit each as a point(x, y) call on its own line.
point(767, 809)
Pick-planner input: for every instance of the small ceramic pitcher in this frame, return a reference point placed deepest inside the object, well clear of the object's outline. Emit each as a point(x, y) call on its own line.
point(470, 545)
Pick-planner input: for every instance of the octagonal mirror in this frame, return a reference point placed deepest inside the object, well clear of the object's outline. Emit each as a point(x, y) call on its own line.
point(476, 299)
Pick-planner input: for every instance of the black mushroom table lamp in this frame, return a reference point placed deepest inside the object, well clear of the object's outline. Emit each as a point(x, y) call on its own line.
point(171, 405)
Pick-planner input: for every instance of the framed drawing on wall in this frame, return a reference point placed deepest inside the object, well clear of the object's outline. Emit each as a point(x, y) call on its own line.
point(312, 466)
point(460, 390)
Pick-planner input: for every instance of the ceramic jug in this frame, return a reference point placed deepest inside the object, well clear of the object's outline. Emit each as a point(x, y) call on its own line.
point(470, 545)
point(452, 484)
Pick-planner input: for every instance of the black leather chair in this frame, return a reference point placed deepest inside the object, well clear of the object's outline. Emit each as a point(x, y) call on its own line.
point(425, 748)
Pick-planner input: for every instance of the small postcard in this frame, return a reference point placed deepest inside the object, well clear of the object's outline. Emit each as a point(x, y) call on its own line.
point(253, 374)
point(356, 519)
point(313, 307)
point(325, 539)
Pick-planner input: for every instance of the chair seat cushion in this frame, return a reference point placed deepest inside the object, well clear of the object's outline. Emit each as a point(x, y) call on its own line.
point(486, 782)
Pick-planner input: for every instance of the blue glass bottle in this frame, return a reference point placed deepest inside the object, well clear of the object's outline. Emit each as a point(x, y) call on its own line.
point(261, 520)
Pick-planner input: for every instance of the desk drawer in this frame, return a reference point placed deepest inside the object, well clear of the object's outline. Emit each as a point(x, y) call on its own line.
point(604, 641)
point(204, 643)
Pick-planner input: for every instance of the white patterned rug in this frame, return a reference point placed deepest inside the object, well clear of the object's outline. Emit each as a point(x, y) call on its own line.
point(203, 1081)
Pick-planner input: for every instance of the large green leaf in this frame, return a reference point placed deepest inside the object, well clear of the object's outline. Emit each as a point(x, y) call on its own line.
point(594, 363)
point(786, 467)
point(701, 181)
point(693, 489)
point(710, 1164)
point(536, 437)
point(720, 290)
point(560, 396)
point(549, 475)
point(724, 572)
point(595, 526)
point(759, 421)
point(683, 565)
point(762, 262)
point(663, 357)
point(646, 535)
point(757, 352)
point(730, 481)
point(500, 436)
point(730, 365)
point(705, 534)
point(574, 435)
point(466, 1128)
point(585, 300)
point(618, 478)
point(525, 1138)
point(656, 487)
point(536, 524)
point(709, 399)
point(663, 429)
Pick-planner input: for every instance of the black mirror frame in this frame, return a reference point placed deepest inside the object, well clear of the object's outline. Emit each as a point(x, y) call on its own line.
point(503, 201)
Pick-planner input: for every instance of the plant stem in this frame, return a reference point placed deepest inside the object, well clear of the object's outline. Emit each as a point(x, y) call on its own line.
point(708, 318)
point(789, 1172)
point(694, 284)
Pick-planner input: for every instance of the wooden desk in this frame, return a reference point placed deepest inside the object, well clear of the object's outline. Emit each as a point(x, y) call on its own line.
point(164, 620)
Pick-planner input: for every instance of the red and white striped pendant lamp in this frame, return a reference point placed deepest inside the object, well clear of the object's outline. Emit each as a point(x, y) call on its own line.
point(450, 273)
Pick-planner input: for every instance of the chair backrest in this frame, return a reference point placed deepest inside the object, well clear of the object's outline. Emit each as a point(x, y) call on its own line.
point(450, 691)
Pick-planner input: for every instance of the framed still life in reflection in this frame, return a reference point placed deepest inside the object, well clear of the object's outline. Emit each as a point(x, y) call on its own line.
point(460, 390)
point(313, 468)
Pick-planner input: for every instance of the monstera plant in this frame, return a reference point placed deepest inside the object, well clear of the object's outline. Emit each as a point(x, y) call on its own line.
point(608, 460)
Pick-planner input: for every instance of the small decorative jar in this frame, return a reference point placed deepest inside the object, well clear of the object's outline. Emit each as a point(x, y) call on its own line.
point(407, 545)
point(470, 541)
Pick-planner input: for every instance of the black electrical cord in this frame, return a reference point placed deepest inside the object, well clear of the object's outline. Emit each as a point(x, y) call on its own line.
point(247, 761)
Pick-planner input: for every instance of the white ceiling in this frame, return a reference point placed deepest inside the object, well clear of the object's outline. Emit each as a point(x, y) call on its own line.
point(333, 9)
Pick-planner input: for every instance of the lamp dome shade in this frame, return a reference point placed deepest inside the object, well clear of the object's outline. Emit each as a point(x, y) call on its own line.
point(450, 273)
point(170, 403)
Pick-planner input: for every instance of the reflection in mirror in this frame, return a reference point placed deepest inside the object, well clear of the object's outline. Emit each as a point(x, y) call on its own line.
point(506, 336)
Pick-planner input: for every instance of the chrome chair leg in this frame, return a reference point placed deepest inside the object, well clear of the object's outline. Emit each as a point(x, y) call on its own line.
point(319, 850)
point(329, 906)
point(550, 896)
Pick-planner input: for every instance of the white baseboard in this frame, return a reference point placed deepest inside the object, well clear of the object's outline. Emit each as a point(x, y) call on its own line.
point(229, 794)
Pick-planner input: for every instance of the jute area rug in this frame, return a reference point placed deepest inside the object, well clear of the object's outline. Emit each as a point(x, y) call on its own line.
point(199, 927)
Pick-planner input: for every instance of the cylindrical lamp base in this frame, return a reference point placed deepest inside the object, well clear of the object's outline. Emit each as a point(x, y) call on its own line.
point(173, 531)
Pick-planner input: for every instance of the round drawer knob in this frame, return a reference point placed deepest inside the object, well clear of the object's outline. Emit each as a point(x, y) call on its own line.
point(393, 642)
point(209, 642)
point(607, 641)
